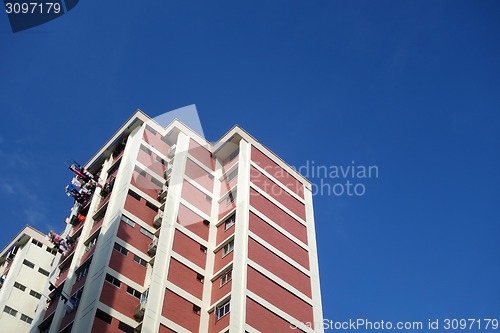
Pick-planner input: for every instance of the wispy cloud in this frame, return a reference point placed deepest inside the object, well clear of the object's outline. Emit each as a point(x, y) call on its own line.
point(7, 188)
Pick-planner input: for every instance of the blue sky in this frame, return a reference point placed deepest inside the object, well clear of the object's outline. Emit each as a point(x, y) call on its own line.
point(411, 87)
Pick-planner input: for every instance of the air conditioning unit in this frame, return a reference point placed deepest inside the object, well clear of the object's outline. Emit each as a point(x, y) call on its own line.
point(162, 195)
point(171, 151)
point(158, 218)
point(152, 246)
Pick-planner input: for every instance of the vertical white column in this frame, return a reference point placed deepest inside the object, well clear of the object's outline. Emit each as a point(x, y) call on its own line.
point(154, 305)
point(240, 255)
point(212, 239)
point(95, 278)
point(313, 259)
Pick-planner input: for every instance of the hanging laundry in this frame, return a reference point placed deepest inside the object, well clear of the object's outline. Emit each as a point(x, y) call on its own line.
point(76, 182)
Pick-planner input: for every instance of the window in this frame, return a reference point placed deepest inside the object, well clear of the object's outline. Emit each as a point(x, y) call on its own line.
point(157, 182)
point(26, 319)
point(146, 150)
point(37, 243)
point(226, 277)
point(200, 278)
point(19, 286)
point(229, 222)
point(134, 195)
point(43, 271)
point(196, 309)
point(120, 249)
point(35, 294)
point(231, 176)
point(10, 310)
point(208, 198)
point(133, 292)
point(147, 233)
point(151, 206)
point(125, 328)
point(203, 249)
point(29, 264)
point(103, 316)
point(128, 221)
point(82, 273)
point(227, 248)
point(114, 281)
point(222, 310)
point(231, 197)
point(140, 261)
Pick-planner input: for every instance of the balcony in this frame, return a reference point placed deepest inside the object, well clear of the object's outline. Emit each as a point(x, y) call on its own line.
point(158, 218)
point(153, 246)
point(162, 195)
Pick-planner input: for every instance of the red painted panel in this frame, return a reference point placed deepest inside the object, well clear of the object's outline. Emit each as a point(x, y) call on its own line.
point(67, 319)
point(201, 154)
point(139, 209)
point(279, 267)
point(277, 172)
point(119, 299)
point(127, 266)
point(192, 221)
point(215, 326)
point(223, 234)
point(199, 175)
point(78, 284)
point(220, 261)
point(189, 249)
point(185, 278)
point(165, 329)
point(101, 326)
point(225, 207)
point(144, 183)
point(278, 240)
point(225, 186)
point(264, 320)
point(218, 292)
point(278, 296)
point(151, 162)
point(87, 254)
point(156, 141)
point(180, 311)
point(133, 236)
point(278, 193)
point(196, 197)
point(277, 215)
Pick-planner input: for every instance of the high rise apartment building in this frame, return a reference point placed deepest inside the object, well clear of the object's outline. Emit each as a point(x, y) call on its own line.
point(25, 264)
point(182, 235)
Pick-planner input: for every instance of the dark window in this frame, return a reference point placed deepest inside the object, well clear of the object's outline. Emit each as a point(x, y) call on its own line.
point(125, 328)
point(140, 261)
point(35, 294)
point(103, 316)
point(147, 233)
point(120, 249)
point(151, 206)
point(19, 286)
point(37, 243)
point(146, 150)
point(203, 249)
point(133, 292)
point(29, 263)
point(10, 310)
point(200, 278)
point(157, 182)
point(114, 281)
point(134, 195)
point(150, 129)
point(128, 221)
point(26, 319)
point(196, 309)
point(43, 271)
